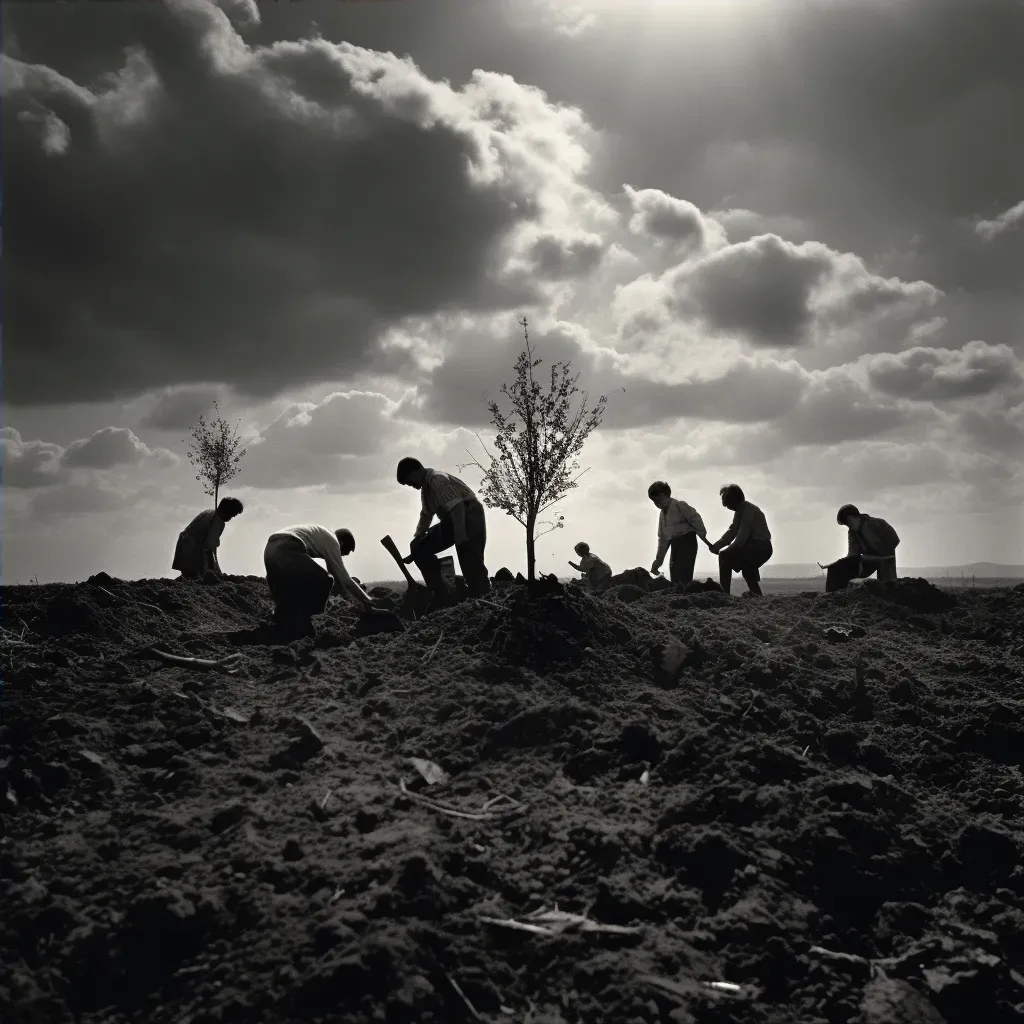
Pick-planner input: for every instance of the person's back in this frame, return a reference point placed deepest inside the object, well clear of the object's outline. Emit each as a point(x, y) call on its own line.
point(878, 537)
point(752, 515)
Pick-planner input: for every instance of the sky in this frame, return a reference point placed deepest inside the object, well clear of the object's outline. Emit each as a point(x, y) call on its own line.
point(785, 237)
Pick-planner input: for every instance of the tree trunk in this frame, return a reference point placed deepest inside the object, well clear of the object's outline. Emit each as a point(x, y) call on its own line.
point(531, 552)
point(216, 489)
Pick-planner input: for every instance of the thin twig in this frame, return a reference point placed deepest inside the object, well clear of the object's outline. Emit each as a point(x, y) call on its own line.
point(493, 604)
point(474, 1013)
point(228, 664)
point(455, 812)
point(750, 705)
point(430, 654)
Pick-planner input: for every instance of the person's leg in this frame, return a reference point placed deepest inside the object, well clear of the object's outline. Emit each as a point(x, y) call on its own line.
point(471, 554)
point(425, 549)
point(682, 559)
point(840, 573)
point(754, 555)
point(887, 569)
point(299, 587)
point(725, 570)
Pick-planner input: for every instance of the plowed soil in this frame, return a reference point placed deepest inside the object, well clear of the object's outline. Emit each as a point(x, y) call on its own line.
point(817, 799)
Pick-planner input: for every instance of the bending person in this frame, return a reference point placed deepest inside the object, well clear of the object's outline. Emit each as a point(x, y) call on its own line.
point(679, 526)
point(597, 573)
point(746, 545)
point(871, 548)
point(196, 551)
point(461, 522)
point(298, 586)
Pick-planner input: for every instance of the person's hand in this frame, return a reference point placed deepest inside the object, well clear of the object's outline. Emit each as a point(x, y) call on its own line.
point(408, 560)
point(655, 568)
point(714, 549)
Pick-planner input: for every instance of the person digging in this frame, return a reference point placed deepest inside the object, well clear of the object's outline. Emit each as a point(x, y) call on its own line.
point(746, 545)
point(871, 549)
point(461, 522)
point(300, 587)
point(195, 554)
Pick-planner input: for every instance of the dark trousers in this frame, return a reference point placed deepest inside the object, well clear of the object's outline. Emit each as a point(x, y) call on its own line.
point(681, 559)
point(299, 587)
point(840, 573)
point(440, 537)
point(746, 560)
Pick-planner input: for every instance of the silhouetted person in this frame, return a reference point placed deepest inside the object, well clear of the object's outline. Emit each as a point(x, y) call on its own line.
point(195, 554)
point(461, 522)
point(679, 526)
point(746, 545)
point(596, 572)
point(871, 548)
point(298, 586)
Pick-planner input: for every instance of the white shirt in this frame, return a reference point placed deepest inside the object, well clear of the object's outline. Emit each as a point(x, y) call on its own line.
point(320, 542)
point(677, 519)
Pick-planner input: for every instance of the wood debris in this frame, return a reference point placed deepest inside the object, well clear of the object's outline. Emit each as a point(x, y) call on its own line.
point(473, 1011)
point(558, 922)
point(229, 664)
point(490, 812)
point(430, 653)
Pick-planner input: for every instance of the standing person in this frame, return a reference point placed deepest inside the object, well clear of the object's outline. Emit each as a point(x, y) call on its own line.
point(596, 571)
point(461, 522)
point(299, 587)
point(748, 538)
point(872, 544)
point(195, 554)
point(679, 526)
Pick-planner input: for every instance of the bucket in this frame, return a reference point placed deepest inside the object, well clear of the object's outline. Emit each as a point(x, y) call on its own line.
point(448, 569)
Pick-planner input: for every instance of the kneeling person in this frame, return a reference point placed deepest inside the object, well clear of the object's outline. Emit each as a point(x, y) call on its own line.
point(596, 571)
point(749, 542)
point(299, 587)
point(871, 548)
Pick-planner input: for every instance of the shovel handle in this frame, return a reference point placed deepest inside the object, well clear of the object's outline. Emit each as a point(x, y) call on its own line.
point(392, 549)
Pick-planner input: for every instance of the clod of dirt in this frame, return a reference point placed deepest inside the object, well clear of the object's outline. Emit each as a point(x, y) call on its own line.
point(916, 594)
point(66, 615)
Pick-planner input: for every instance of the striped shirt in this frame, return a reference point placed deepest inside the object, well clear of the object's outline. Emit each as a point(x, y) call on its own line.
point(677, 519)
point(440, 493)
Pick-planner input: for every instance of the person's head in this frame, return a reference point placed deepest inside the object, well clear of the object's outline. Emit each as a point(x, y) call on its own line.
point(346, 541)
point(849, 516)
point(582, 549)
point(410, 472)
point(228, 508)
point(732, 496)
point(660, 493)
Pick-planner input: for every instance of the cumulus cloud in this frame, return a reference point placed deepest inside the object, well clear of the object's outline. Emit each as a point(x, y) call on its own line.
point(29, 463)
point(663, 217)
point(370, 193)
point(936, 374)
point(106, 448)
point(345, 441)
point(772, 293)
point(990, 229)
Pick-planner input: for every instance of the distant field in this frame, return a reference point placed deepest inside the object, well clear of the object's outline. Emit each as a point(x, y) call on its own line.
point(808, 583)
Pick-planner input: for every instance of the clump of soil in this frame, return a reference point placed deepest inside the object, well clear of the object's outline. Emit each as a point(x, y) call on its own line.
point(739, 784)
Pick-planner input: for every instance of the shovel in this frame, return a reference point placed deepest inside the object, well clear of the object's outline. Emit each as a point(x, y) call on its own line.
point(418, 597)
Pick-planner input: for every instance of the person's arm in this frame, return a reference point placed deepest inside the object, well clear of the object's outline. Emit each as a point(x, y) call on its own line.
point(852, 547)
point(330, 551)
point(743, 528)
point(728, 535)
point(424, 523)
point(692, 518)
point(578, 568)
point(663, 542)
point(212, 542)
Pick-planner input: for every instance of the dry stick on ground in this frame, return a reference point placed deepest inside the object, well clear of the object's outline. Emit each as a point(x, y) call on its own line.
point(474, 1013)
point(229, 663)
point(455, 812)
point(430, 653)
point(750, 705)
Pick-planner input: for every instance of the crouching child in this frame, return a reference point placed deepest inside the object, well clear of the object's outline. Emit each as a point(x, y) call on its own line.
point(596, 572)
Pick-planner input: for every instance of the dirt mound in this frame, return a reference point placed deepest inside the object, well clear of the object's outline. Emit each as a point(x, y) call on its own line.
point(916, 594)
point(722, 788)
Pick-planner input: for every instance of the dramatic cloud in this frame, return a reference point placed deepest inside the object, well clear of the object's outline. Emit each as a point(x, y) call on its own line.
point(81, 499)
point(666, 218)
point(108, 447)
point(369, 192)
point(772, 294)
point(989, 229)
point(29, 463)
point(931, 374)
point(180, 408)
